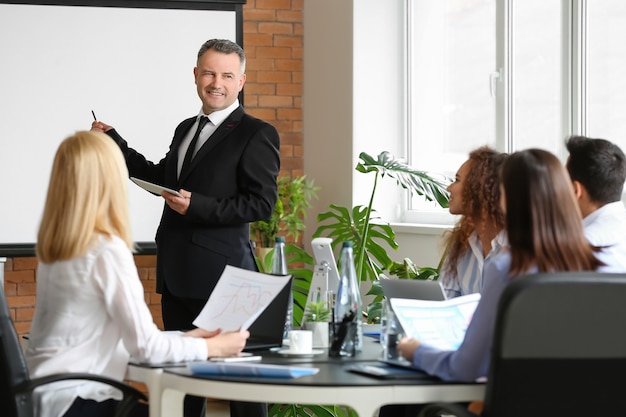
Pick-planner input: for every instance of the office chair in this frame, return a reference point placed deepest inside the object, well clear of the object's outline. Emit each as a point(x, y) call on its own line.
point(559, 349)
point(16, 387)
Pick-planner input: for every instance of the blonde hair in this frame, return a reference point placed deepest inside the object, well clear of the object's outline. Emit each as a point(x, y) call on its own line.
point(87, 195)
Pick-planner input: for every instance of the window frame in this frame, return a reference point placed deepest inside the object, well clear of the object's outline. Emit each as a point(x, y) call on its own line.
point(573, 91)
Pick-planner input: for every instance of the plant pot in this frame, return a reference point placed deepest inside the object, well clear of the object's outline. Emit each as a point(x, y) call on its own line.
point(320, 333)
point(261, 252)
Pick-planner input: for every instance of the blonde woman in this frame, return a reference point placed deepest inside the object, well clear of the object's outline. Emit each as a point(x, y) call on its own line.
point(90, 314)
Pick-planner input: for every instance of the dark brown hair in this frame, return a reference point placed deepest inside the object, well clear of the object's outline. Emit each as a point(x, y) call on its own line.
point(543, 220)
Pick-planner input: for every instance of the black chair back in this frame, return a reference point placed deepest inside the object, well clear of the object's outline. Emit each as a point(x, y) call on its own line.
point(13, 370)
point(559, 347)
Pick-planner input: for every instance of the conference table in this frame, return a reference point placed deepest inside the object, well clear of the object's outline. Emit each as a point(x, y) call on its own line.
point(333, 384)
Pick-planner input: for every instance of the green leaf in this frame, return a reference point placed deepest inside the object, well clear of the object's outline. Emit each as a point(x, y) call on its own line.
point(408, 270)
point(289, 213)
point(342, 225)
point(417, 182)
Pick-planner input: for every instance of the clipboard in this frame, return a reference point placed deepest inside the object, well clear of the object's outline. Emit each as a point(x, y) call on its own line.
point(154, 188)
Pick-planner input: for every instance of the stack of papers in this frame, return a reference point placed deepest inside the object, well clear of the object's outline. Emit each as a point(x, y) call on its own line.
point(249, 369)
point(441, 324)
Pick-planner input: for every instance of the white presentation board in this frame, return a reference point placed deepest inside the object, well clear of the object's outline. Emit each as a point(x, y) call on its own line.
point(132, 66)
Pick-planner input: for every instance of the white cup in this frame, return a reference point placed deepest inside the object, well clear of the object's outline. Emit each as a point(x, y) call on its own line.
point(301, 341)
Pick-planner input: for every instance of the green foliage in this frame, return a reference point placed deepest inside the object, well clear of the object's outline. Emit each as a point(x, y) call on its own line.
point(418, 182)
point(317, 311)
point(343, 225)
point(303, 410)
point(364, 227)
point(294, 198)
point(408, 270)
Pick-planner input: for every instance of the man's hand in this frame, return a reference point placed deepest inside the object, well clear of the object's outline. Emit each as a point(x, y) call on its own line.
point(98, 126)
point(178, 204)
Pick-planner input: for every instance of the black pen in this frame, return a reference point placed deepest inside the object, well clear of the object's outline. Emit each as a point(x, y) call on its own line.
point(94, 116)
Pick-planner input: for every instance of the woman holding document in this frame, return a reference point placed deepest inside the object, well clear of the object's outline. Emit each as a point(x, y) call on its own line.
point(545, 234)
point(90, 314)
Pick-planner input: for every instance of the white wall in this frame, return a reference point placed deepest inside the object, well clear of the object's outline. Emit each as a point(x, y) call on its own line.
point(354, 102)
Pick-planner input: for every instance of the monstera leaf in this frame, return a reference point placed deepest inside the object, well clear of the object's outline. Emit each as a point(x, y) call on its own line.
point(364, 227)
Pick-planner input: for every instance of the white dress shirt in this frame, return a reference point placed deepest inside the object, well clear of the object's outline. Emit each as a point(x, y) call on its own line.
point(90, 316)
point(606, 228)
point(469, 266)
point(215, 120)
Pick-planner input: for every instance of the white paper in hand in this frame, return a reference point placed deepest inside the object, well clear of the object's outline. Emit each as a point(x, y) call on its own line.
point(441, 324)
point(239, 297)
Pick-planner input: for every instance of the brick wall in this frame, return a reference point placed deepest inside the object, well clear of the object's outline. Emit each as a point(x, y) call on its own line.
point(273, 92)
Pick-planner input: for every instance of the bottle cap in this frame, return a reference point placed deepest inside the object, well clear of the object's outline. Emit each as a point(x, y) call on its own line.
point(279, 239)
point(347, 244)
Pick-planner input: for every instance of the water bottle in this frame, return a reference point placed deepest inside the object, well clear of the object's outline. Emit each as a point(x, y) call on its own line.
point(279, 267)
point(348, 326)
point(391, 333)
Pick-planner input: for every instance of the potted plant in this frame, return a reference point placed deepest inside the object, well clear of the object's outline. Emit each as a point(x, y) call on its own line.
point(287, 219)
point(366, 229)
point(316, 312)
point(317, 318)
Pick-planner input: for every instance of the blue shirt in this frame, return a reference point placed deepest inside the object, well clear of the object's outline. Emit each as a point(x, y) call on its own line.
point(469, 267)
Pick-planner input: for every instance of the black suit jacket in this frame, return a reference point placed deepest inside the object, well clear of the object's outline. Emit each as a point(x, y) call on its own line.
point(233, 182)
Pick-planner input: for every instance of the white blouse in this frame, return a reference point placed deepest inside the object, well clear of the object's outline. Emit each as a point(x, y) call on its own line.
point(91, 316)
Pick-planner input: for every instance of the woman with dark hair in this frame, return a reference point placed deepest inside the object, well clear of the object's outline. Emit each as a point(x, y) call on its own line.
point(545, 234)
point(478, 234)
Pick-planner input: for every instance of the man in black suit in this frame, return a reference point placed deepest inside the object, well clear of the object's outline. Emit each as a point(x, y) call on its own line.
point(229, 182)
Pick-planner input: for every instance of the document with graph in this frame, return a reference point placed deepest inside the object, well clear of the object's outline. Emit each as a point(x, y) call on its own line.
point(441, 324)
point(239, 297)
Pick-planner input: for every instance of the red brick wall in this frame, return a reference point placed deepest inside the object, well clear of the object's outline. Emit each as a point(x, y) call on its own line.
point(273, 92)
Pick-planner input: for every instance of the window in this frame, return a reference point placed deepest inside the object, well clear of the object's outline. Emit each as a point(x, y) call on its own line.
point(511, 74)
point(605, 69)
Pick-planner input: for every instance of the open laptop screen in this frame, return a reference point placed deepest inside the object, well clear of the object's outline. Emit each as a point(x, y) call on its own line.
point(267, 330)
point(413, 288)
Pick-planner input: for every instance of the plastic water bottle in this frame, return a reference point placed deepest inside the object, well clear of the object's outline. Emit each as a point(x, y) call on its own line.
point(348, 325)
point(279, 267)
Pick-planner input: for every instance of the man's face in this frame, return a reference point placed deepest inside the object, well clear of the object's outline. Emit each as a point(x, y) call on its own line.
point(218, 80)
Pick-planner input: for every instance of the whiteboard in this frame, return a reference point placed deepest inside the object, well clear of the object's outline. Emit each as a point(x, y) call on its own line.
point(132, 66)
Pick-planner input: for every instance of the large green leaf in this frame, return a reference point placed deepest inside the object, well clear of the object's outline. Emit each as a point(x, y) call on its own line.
point(418, 182)
point(342, 225)
point(408, 270)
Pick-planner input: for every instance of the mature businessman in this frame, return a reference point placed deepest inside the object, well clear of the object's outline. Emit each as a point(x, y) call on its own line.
point(227, 182)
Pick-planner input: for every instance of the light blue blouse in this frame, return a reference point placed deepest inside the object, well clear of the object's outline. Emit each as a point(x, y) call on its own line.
point(471, 360)
point(469, 266)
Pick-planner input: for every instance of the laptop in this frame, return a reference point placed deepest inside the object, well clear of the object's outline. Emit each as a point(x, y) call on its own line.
point(267, 330)
point(413, 288)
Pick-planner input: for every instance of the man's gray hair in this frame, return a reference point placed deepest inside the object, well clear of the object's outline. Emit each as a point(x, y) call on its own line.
point(224, 46)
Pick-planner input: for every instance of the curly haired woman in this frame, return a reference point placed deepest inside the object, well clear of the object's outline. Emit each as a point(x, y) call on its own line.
point(478, 234)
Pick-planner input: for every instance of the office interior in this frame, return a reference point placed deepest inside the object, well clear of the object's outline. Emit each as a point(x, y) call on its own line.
point(353, 100)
